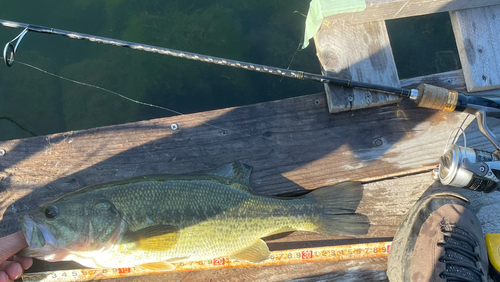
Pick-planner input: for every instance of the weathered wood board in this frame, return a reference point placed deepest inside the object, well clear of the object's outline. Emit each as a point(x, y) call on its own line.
point(450, 80)
point(293, 144)
point(453, 80)
point(357, 52)
point(378, 10)
point(477, 33)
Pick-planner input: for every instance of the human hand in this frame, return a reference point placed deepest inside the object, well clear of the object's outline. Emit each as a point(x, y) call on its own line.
point(12, 266)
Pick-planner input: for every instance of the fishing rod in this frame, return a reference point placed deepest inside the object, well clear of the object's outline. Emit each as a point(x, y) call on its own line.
point(458, 164)
point(10, 50)
point(428, 97)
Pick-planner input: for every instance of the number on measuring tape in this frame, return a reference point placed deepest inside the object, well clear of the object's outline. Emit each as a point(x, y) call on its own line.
point(307, 254)
point(219, 261)
point(332, 253)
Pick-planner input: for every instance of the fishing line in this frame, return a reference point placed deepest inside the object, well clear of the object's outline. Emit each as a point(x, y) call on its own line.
point(296, 50)
point(302, 14)
point(10, 49)
point(291, 61)
point(458, 130)
point(123, 96)
point(100, 88)
point(9, 119)
point(461, 128)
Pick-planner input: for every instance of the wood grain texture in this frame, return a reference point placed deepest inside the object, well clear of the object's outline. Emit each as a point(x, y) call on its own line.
point(451, 80)
point(359, 52)
point(378, 10)
point(477, 33)
point(294, 145)
point(369, 270)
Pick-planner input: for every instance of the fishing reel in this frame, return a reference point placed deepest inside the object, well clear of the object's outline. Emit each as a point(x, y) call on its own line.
point(472, 168)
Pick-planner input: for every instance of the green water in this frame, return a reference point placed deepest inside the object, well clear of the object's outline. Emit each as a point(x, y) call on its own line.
point(33, 103)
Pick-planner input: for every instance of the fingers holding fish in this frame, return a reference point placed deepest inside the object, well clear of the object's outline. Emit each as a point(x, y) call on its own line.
point(12, 266)
point(12, 269)
point(4, 277)
point(11, 244)
point(25, 262)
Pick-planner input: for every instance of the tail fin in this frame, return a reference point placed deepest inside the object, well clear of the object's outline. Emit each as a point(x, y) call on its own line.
point(339, 202)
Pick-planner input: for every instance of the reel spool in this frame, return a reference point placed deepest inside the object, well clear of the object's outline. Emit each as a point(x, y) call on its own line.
point(469, 168)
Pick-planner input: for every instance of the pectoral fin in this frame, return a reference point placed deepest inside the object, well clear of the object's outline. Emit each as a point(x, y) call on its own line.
point(150, 231)
point(256, 252)
point(154, 238)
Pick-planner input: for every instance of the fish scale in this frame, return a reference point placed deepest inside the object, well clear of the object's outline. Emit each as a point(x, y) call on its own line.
point(153, 221)
point(215, 231)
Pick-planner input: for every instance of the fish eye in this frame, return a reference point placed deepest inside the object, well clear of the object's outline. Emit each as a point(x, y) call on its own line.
point(51, 211)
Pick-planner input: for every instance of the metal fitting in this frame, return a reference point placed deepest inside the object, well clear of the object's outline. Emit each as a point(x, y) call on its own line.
point(413, 94)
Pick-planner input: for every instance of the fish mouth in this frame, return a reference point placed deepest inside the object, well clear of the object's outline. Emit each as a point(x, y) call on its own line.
point(37, 236)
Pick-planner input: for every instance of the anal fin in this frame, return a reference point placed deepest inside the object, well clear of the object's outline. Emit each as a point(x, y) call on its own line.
point(155, 266)
point(256, 252)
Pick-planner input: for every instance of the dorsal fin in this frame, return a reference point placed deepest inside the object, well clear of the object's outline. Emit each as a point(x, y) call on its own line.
point(235, 171)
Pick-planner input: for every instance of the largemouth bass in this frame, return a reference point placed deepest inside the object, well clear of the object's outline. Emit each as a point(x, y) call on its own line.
point(153, 221)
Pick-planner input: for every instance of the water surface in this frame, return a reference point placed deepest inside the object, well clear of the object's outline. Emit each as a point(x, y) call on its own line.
point(269, 33)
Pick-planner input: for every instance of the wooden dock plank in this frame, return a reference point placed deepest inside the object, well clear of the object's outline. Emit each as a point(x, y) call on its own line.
point(358, 52)
point(378, 10)
point(451, 80)
point(274, 137)
point(369, 270)
point(293, 144)
point(477, 32)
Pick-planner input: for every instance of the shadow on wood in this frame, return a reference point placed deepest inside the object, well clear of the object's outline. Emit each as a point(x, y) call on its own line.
point(290, 143)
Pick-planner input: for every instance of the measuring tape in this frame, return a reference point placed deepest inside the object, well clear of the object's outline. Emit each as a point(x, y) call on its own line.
point(332, 253)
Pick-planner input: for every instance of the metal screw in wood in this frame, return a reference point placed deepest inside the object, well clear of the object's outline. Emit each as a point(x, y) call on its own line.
point(368, 98)
point(174, 126)
point(2, 152)
point(378, 142)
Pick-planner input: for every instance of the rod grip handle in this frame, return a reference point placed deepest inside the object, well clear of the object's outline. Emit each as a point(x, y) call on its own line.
point(437, 98)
